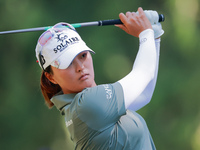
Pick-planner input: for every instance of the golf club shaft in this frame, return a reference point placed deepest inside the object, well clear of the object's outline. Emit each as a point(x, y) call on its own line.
point(76, 25)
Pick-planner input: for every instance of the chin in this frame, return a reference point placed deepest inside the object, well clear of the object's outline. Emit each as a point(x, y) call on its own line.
point(88, 85)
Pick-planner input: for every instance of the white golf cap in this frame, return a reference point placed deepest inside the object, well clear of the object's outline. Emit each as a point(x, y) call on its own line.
point(59, 46)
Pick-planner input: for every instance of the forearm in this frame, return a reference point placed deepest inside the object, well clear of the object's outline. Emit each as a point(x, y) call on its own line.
point(143, 71)
point(145, 97)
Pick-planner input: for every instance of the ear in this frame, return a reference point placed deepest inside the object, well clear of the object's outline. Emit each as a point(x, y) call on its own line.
point(50, 77)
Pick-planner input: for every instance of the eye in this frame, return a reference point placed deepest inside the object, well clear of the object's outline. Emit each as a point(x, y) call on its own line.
point(84, 54)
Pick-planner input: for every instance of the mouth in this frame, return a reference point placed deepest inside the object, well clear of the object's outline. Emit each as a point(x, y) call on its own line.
point(84, 77)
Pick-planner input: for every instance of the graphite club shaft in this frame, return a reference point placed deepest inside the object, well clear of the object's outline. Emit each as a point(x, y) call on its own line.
point(76, 25)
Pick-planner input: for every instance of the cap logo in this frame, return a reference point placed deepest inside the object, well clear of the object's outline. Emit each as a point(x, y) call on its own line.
point(64, 41)
point(56, 63)
point(61, 38)
point(43, 61)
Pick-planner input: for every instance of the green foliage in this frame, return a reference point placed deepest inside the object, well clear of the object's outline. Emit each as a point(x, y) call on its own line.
point(173, 115)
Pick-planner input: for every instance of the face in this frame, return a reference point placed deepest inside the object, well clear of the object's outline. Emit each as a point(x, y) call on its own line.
point(79, 75)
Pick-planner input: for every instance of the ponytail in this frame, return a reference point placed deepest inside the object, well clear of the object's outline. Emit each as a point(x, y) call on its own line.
point(48, 88)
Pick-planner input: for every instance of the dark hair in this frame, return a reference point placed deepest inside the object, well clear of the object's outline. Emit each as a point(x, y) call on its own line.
point(48, 88)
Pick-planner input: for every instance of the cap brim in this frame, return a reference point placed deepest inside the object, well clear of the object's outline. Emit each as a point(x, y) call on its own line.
point(63, 61)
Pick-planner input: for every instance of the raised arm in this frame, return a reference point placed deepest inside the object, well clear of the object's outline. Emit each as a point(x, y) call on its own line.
point(142, 73)
point(140, 97)
point(139, 84)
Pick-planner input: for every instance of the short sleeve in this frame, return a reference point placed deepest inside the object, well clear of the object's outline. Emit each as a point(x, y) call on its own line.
point(102, 106)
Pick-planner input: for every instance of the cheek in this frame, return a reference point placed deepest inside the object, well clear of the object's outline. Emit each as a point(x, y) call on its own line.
point(62, 77)
point(90, 63)
point(67, 77)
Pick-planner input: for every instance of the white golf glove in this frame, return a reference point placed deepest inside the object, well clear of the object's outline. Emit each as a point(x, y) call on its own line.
point(158, 31)
point(153, 18)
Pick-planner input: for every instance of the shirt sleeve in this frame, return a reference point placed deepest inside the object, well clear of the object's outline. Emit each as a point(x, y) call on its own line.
point(139, 84)
point(101, 107)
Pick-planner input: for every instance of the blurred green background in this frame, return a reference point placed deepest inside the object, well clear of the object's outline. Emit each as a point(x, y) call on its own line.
point(173, 115)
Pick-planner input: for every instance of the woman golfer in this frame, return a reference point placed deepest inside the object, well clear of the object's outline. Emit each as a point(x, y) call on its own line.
point(100, 117)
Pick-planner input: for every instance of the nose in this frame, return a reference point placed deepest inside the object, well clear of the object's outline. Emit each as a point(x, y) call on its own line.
point(79, 65)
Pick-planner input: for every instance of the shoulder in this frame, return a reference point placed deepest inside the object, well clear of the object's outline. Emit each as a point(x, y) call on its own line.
point(100, 99)
point(99, 106)
point(103, 92)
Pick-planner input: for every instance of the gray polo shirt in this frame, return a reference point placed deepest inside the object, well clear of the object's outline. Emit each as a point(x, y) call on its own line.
point(96, 119)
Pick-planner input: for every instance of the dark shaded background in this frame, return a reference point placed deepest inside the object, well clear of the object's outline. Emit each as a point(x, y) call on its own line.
point(173, 116)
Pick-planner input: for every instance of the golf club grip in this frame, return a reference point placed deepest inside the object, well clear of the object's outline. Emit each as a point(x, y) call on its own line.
point(118, 21)
point(110, 22)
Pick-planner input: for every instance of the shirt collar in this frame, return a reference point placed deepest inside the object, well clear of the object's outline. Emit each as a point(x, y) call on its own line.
point(62, 100)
